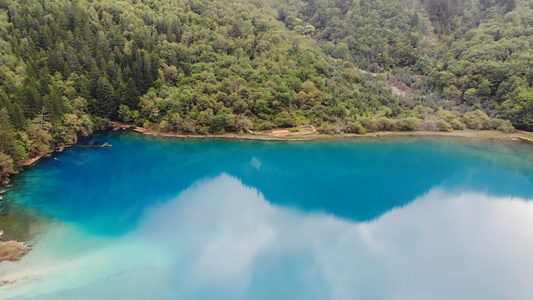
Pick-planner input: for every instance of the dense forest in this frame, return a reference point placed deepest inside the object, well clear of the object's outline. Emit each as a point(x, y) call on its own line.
point(68, 68)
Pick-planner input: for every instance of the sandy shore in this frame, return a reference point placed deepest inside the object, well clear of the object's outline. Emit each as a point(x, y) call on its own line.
point(468, 134)
point(309, 133)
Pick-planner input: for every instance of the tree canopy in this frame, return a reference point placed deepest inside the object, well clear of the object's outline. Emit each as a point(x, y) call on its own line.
point(200, 66)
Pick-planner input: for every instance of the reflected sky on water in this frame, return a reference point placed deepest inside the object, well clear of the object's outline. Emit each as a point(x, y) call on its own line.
point(242, 232)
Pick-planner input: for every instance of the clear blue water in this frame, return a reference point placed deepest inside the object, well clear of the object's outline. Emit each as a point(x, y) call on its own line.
point(157, 218)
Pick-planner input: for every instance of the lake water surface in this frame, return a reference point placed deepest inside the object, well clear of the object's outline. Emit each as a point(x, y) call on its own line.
point(157, 218)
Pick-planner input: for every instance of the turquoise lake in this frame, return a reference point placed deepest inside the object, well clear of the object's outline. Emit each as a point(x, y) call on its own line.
point(153, 218)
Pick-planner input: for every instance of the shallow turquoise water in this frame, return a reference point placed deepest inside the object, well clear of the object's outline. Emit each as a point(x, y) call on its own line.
point(210, 219)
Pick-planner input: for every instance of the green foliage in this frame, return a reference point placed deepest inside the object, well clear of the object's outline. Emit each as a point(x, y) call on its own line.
point(199, 66)
point(6, 164)
point(10, 145)
point(408, 124)
point(377, 34)
point(476, 120)
point(487, 57)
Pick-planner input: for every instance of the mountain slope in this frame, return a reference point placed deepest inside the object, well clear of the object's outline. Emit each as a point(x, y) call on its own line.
point(476, 53)
point(199, 66)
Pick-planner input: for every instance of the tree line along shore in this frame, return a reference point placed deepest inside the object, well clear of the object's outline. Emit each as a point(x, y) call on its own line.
point(215, 68)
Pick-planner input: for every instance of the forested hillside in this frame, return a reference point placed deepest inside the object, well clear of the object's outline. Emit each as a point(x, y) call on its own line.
point(461, 55)
point(376, 34)
point(487, 61)
point(199, 66)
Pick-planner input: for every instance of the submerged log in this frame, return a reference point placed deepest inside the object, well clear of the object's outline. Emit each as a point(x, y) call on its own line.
point(106, 144)
point(13, 250)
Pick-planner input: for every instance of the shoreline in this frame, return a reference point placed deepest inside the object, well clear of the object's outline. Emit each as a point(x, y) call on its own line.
point(519, 136)
point(313, 135)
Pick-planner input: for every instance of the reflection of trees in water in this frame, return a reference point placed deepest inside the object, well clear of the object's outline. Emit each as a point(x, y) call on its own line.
point(355, 180)
point(512, 155)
